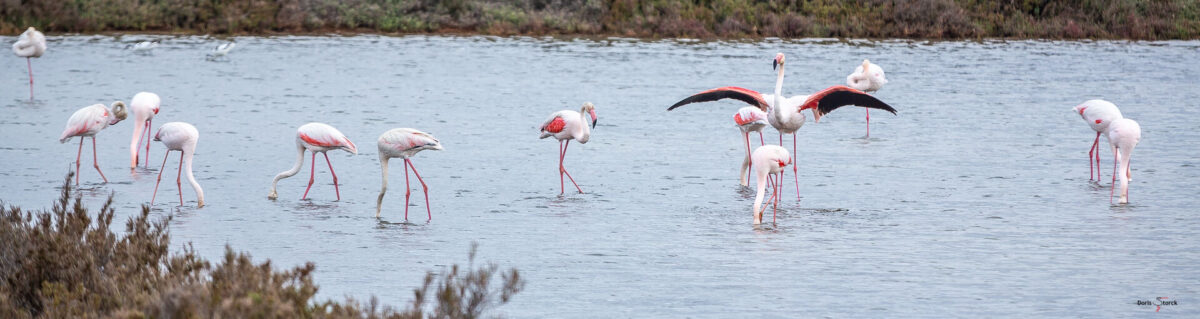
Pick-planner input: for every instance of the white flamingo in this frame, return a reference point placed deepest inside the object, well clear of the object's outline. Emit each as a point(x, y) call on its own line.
point(88, 121)
point(1098, 114)
point(1123, 134)
point(144, 106)
point(404, 143)
point(785, 113)
point(567, 125)
point(749, 119)
point(31, 44)
point(869, 78)
point(182, 137)
point(768, 160)
point(222, 50)
point(316, 138)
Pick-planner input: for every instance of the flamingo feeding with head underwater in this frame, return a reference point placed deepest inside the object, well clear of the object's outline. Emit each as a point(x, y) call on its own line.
point(1123, 134)
point(404, 143)
point(869, 78)
point(567, 125)
point(316, 138)
point(1098, 114)
point(144, 106)
point(785, 113)
point(182, 137)
point(88, 121)
point(31, 44)
point(749, 119)
point(768, 160)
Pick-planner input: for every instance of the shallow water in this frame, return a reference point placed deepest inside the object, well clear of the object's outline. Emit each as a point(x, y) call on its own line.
point(973, 201)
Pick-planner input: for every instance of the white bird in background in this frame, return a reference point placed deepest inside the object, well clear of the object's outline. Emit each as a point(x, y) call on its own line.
point(1123, 134)
point(316, 138)
point(784, 114)
point(404, 143)
point(1098, 114)
point(869, 78)
point(222, 50)
point(749, 119)
point(144, 46)
point(182, 137)
point(31, 44)
point(144, 106)
point(768, 160)
point(567, 125)
point(88, 121)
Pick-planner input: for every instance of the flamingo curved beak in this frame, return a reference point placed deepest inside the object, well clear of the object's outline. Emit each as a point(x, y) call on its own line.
point(593, 113)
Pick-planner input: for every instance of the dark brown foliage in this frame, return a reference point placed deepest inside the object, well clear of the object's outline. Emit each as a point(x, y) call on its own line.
point(65, 264)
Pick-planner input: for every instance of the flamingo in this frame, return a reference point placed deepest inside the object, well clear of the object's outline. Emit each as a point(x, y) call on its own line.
point(868, 78)
point(182, 137)
point(567, 125)
point(769, 160)
point(749, 119)
point(785, 113)
point(222, 50)
point(88, 121)
point(315, 138)
point(404, 143)
point(1098, 114)
point(31, 44)
point(144, 106)
point(1123, 134)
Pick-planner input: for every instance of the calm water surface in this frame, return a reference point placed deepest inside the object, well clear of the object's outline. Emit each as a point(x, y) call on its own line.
point(973, 201)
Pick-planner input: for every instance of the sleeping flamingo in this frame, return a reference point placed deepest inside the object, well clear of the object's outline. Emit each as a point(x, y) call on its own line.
point(768, 160)
point(144, 106)
point(182, 137)
point(404, 143)
point(1098, 114)
point(315, 138)
point(869, 78)
point(88, 121)
point(567, 125)
point(1123, 134)
point(784, 113)
point(749, 119)
point(31, 44)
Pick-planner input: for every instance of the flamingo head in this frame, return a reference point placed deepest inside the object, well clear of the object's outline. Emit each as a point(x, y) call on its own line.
point(591, 110)
point(866, 65)
point(118, 111)
point(1079, 109)
point(778, 61)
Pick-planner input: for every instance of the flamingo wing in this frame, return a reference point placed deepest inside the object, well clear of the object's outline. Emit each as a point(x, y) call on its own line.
point(406, 139)
point(325, 136)
point(837, 96)
point(729, 92)
point(85, 120)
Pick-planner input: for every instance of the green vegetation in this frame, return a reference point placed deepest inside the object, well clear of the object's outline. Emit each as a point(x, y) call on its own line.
point(932, 19)
point(64, 264)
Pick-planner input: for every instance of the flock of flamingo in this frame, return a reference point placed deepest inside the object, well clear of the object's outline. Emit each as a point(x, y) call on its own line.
point(766, 163)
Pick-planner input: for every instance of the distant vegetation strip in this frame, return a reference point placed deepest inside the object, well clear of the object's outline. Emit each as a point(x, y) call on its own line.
point(928, 19)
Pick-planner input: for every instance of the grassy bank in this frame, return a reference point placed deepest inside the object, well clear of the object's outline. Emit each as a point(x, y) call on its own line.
point(67, 263)
point(930, 19)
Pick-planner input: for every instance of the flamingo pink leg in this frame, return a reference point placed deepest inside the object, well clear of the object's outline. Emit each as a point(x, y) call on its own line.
point(178, 183)
point(147, 142)
point(428, 211)
point(78, 156)
point(868, 122)
point(29, 63)
point(335, 182)
point(760, 139)
point(561, 183)
point(312, 171)
point(160, 170)
point(407, 189)
point(1114, 179)
point(795, 168)
point(1094, 168)
point(95, 161)
point(563, 169)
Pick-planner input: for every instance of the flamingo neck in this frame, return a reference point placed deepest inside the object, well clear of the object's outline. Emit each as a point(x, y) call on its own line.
point(776, 111)
point(383, 161)
point(587, 129)
point(187, 163)
point(138, 129)
point(288, 173)
point(758, 198)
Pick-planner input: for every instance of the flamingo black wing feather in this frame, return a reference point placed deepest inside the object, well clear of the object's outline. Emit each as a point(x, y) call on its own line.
point(730, 92)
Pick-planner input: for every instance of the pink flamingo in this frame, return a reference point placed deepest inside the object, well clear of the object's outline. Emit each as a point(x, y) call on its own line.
point(404, 143)
point(1098, 114)
point(88, 121)
point(869, 78)
point(567, 125)
point(182, 137)
point(31, 44)
point(1123, 134)
point(144, 106)
point(316, 138)
point(749, 119)
point(769, 160)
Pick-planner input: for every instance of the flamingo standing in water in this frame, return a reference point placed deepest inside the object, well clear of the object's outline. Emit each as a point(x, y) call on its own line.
point(785, 113)
point(567, 125)
point(182, 137)
point(88, 121)
point(31, 44)
point(316, 138)
point(769, 160)
point(144, 106)
point(749, 119)
point(1123, 134)
point(1098, 114)
point(869, 78)
point(404, 143)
